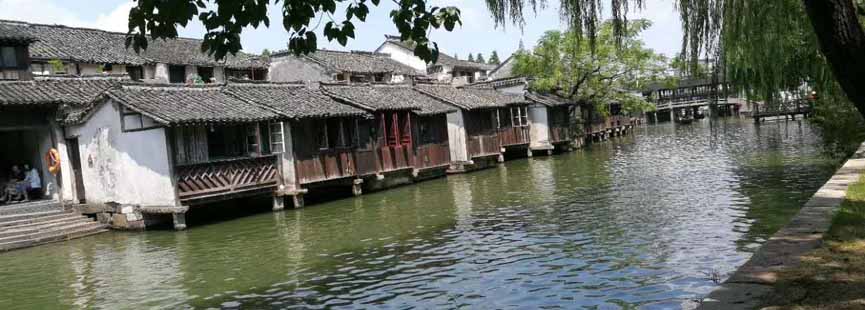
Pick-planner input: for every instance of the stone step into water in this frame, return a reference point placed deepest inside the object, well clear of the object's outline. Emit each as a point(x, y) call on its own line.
point(24, 216)
point(36, 220)
point(51, 230)
point(60, 236)
point(36, 227)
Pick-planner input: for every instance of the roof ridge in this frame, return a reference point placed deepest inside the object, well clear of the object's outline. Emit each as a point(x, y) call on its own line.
point(30, 24)
point(169, 87)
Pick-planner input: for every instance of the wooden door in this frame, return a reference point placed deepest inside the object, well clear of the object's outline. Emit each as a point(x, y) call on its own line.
point(75, 158)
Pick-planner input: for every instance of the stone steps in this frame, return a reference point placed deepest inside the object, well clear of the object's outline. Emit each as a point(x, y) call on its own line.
point(30, 228)
point(21, 230)
point(25, 216)
point(50, 230)
point(35, 220)
point(63, 236)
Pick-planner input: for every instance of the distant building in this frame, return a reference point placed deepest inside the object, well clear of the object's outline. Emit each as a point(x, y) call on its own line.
point(326, 65)
point(57, 49)
point(447, 69)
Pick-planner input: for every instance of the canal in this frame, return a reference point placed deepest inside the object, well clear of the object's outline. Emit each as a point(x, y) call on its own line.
point(645, 221)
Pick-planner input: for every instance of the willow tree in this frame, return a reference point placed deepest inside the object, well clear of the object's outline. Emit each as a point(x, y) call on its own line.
point(564, 63)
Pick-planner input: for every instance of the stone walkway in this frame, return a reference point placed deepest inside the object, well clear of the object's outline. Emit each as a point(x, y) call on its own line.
point(746, 287)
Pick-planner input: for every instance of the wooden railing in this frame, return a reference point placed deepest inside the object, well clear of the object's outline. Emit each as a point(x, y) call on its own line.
point(432, 155)
point(227, 177)
point(514, 135)
point(326, 165)
point(484, 145)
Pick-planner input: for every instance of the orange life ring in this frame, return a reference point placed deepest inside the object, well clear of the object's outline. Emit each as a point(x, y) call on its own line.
point(52, 158)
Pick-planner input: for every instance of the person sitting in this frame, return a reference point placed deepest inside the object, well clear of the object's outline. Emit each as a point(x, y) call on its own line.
point(31, 182)
point(10, 189)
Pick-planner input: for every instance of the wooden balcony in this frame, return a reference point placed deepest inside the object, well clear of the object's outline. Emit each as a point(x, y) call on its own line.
point(326, 165)
point(226, 178)
point(432, 155)
point(514, 135)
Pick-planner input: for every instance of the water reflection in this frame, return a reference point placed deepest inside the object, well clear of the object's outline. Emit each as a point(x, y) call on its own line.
point(638, 222)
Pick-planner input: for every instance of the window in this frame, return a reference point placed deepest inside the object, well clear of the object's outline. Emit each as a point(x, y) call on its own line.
point(335, 133)
point(107, 68)
point(136, 73)
point(176, 74)
point(134, 121)
point(431, 129)
point(277, 137)
point(519, 116)
point(397, 128)
point(206, 74)
point(8, 57)
point(253, 143)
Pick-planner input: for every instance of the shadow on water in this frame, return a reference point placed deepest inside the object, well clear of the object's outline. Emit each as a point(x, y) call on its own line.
point(633, 223)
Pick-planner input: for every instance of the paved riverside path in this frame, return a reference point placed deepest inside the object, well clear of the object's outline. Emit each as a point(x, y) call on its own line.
point(804, 233)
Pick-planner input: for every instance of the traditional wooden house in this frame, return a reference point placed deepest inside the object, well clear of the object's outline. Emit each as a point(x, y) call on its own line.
point(407, 139)
point(163, 148)
point(66, 50)
point(486, 126)
point(320, 138)
point(446, 69)
point(326, 65)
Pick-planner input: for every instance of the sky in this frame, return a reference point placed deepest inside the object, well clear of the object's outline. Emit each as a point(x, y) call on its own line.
point(478, 34)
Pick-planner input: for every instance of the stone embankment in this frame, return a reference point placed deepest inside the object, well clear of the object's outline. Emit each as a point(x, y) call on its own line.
point(754, 280)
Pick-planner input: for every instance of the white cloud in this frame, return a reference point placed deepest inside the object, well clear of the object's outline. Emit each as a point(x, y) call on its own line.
point(46, 12)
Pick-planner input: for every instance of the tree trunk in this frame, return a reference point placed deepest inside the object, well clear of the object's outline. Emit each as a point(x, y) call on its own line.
point(842, 41)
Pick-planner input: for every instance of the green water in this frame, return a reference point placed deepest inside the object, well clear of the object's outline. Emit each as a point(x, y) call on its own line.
point(640, 222)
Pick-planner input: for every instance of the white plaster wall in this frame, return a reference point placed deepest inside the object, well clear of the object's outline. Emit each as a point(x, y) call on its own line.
point(402, 56)
point(123, 167)
point(290, 68)
point(161, 73)
point(457, 137)
point(150, 72)
point(219, 74)
point(539, 131)
point(189, 71)
point(289, 173)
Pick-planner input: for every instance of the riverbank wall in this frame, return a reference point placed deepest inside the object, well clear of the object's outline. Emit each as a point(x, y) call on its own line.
point(747, 287)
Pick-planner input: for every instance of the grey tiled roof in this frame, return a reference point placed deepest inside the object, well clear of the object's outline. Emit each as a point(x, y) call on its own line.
point(292, 100)
point(98, 46)
point(550, 100)
point(73, 92)
point(179, 105)
point(356, 62)
point(405, 93)
point(15, 35)
point(470, 99)
point(386, 98)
